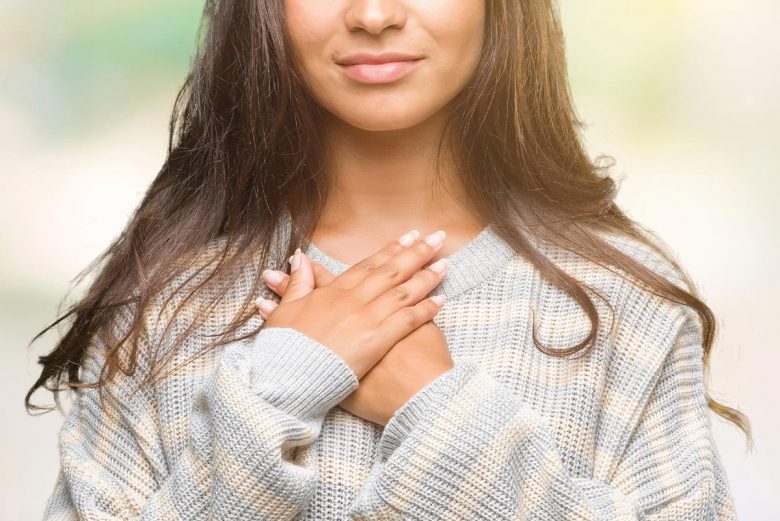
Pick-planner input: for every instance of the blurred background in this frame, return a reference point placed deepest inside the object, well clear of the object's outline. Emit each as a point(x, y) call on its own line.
point(684, 95)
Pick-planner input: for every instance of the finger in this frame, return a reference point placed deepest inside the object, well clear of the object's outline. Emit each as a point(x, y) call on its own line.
point(405, 320)
point(357, 272)
point(265, 306)
point(399, 269)
point(301, 281)
point(322, 277)
point(276, 280)
point(410, 292)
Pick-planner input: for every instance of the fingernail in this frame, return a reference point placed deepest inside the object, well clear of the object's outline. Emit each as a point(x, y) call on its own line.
point(409, 237)
point(265, 305)
point(436, 238)
point(296, 261)
point(439, 266)
point(438, 299)
point(272, 277)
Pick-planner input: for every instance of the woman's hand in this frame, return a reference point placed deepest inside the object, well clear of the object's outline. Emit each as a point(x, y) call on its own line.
point(362, 313)
point(407, 367)
point(410, 365)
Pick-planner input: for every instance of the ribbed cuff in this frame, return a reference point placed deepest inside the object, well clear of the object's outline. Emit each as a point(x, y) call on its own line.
point(426, 405)
point(297, 374)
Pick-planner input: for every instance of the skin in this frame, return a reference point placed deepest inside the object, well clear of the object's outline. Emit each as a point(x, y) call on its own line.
point(393, 355)
point(381, 139)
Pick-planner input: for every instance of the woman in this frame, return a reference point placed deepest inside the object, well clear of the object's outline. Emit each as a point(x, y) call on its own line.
point(460, 371)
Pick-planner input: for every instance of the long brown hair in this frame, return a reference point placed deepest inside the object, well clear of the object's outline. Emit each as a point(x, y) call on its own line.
point(243, 147)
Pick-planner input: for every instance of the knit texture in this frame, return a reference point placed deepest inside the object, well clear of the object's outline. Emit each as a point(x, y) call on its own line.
point(253, 429)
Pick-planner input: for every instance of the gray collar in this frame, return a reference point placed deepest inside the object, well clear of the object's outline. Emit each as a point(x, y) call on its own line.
point(468, 266)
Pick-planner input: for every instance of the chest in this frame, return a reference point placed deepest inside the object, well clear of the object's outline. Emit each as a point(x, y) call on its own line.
point(495, 330)
point(499, 338)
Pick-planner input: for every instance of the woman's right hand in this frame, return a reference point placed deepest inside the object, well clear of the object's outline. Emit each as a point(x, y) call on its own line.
point(362, 313)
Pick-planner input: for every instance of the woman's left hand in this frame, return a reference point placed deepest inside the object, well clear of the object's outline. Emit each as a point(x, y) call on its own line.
point(410, 365)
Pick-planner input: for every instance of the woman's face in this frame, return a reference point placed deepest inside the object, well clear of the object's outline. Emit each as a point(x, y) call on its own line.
point(441, 41)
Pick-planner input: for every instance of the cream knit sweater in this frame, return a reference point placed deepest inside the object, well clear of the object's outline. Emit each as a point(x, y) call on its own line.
point(253, 430)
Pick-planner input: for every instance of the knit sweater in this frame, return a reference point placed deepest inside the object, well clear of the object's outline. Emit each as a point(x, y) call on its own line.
point(254, 430)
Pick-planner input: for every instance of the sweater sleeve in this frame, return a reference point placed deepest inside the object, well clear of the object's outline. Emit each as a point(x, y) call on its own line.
point(466, 447)
point(263, 398)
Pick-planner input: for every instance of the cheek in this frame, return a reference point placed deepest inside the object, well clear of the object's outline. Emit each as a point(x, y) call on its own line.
point(450, 32)
point(458, 30)
point(309, 26)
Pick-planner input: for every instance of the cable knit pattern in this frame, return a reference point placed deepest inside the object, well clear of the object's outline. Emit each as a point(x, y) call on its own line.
point(253, 430)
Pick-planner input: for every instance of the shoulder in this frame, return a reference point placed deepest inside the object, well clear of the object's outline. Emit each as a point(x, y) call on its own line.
point(657, 257)
point(652, 254)
point(204, 294)
point(216, 286)
point(647, 318)
point(637, 312)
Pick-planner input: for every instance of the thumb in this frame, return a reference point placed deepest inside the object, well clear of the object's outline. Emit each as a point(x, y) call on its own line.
point(301, 278)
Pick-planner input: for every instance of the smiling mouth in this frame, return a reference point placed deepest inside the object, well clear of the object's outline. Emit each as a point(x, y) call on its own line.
point(388, 72)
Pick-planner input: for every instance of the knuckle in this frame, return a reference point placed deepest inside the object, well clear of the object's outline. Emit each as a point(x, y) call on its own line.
point(408, 316)
point(364, 265)
point(399, 293)
point(388, 270)
point(394, 248)
point(368, 338)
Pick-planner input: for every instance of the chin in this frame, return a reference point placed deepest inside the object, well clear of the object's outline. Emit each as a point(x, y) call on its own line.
point(382, 125)
point(390, 118)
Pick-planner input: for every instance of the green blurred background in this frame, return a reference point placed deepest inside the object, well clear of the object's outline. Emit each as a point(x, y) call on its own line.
point(684, 95)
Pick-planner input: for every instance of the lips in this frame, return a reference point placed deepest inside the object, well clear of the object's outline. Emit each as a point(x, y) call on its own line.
point(386, 67)
point(375, 59)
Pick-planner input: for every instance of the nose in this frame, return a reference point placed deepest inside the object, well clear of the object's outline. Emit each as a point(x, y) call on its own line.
point(374, 16)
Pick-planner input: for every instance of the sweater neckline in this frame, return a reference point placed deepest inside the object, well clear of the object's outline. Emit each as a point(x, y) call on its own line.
point(467, 266)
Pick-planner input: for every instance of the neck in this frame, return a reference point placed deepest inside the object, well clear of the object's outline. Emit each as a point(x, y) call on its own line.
point(384, 183)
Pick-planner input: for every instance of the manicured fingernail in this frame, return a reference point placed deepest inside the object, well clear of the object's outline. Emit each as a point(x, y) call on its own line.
point(438, 299)
point(439, 266)
point(436, 238)
point(296, 260)
point(409, 237)
point(272, 277)
point(265, 305)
